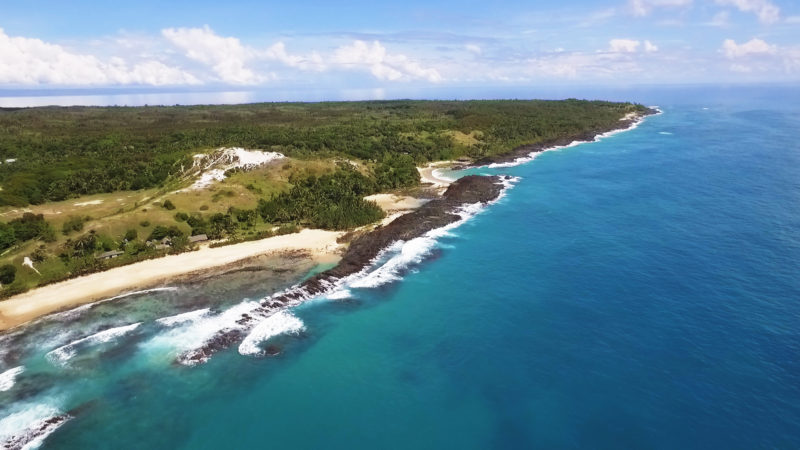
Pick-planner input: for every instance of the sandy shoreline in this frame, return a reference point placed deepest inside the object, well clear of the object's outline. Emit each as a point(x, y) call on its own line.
point(428, 174)
point(320, 244)
point(97, 286)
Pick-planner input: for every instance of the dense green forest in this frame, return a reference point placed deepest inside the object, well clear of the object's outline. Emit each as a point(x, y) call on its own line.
point(333, 201)
point(338, 153)
point(55, 153)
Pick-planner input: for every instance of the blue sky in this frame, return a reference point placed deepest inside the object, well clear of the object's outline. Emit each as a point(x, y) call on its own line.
point(360, 44)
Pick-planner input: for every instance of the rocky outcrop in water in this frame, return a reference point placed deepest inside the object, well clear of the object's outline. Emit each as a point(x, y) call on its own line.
point(361, 253)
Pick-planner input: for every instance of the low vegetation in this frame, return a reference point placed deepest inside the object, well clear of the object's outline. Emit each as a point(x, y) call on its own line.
point(128, 167)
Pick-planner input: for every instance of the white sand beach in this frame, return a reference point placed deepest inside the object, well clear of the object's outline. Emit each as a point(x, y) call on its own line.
point(70, 293)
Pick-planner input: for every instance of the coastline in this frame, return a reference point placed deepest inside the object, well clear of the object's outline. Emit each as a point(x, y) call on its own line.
point(407, 217)
point(320, 244)
point(523, 153)
point(362, 253)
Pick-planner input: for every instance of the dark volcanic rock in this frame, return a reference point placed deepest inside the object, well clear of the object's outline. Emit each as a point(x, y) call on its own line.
point(432, 215)
point(361, 253)
point(42, 428)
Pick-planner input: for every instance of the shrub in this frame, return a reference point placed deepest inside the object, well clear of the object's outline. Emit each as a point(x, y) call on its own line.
point(144, 223)
point(30, 226)
point(73, 223)
point(39, 255)
point(287, 228)
point(397, 171)
point(181, 216)
point(7, 236)
point(160, 232)
point(168, 205)
point(7, 273)
point(131, 235)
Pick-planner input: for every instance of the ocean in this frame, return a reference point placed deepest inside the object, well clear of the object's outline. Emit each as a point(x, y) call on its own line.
point(642, 291)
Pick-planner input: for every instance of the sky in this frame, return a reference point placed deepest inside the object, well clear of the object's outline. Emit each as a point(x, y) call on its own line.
point(367, 44)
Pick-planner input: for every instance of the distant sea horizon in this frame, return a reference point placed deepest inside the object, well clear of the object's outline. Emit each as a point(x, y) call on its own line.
point(641, 291)
point(226, 95)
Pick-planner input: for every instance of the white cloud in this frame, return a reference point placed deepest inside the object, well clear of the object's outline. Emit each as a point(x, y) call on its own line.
point(226, 56)
point(791, 60)
point(575, 65)
point(756, 55)
point(766, 11)
point(720, 19)
point(311, 62)
point(381, 64)
point(472, 48)
point(649, 47)
point(793, 20)
point(235, 63)
point(33, 61)
point(645, 7)
point(741, 68)
point(623, 46)
point(755, 46)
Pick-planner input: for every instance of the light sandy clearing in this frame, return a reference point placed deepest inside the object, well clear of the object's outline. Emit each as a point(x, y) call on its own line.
point(70, 293)
point(91, 202)
point(394, 202)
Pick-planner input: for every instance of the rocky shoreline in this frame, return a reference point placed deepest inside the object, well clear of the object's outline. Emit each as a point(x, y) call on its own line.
point(362, 252)
point(584, 136)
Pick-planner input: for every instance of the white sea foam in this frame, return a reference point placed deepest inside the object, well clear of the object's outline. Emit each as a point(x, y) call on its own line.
point(437, 173)
point(340, 294)
point(665, 133)
point(281, 322)
point(533, 155)
point(406, 254)
point(145, 291)
point(397, 258)
point(9, 377)
point(66, 352)
point(29, 426)
point(178, 319)
point(196, 331)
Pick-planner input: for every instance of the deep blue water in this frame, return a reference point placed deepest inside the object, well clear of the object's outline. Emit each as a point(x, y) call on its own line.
point(638, 292)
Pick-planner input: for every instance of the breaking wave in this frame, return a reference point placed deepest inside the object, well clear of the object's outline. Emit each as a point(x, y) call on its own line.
point(178, 319)
point(414, 251)
point(66, 352)
point(195, 327)
point(340, 294)
point(199, 341)
point(281, 322)
point(9, 377)
point(27, 428)
point(533, 155)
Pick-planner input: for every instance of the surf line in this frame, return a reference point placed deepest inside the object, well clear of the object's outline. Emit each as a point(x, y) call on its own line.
point(461, 201)
point(528, 153)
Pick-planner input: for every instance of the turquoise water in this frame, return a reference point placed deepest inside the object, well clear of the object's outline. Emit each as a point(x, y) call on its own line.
point(638, 292)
